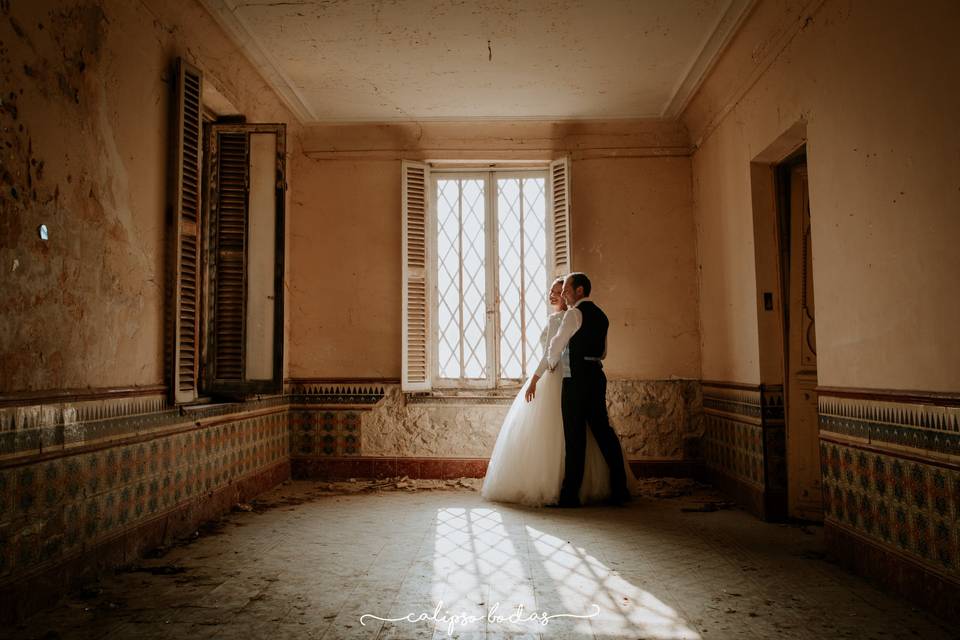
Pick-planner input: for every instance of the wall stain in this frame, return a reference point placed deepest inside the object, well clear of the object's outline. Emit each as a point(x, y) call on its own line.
point(45, 65)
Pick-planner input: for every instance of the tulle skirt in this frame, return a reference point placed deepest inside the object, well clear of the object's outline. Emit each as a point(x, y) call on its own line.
point(527, 463)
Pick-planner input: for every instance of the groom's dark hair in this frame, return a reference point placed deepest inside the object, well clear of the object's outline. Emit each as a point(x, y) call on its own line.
point(580, 279)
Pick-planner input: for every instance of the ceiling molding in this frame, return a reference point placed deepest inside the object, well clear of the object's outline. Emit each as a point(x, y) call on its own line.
point(248, 46)
point(227, 14)
point(723, 32)
point(776, 44)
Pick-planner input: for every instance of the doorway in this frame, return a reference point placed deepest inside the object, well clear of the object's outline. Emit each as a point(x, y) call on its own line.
point(804, 493)
point(786, 328)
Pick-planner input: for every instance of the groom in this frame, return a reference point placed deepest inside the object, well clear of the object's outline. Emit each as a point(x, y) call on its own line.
point(583, 400)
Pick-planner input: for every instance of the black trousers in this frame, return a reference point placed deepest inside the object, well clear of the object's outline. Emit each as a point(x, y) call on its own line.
point(583, 401)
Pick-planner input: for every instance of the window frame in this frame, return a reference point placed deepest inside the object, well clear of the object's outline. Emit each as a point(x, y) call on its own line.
point(493, 325)
point(417, 253)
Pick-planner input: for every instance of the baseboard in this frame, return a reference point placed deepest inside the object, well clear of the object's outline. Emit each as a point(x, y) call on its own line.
point(339, 468)
point(47, 584)
point(901, 575)
point(764, 505)
point(694, 469)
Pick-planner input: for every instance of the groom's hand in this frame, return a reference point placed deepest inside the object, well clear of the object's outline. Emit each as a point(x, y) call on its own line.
point(532, 389)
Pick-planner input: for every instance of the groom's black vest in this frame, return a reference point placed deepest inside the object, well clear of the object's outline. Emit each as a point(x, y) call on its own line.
point(590, 339)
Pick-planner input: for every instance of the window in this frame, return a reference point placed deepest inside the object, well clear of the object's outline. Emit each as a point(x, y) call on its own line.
point(227, 251)
point(479, 250)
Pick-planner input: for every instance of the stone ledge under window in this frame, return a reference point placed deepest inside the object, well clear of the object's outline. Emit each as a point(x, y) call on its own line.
point(502, 396)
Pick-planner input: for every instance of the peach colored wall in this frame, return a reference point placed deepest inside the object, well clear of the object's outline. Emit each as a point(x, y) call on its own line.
point(344, 270)
point(86, 94)
point(632, 230)
point(633, 235)
point(870, 80)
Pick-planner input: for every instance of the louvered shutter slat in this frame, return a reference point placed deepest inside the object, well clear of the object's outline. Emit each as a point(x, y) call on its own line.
point(244, 340)
point(186, 220)
point(229, 269)
point(560, 217)
point(416, 327)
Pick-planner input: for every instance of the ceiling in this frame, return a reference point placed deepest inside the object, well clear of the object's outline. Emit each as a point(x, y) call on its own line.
point(403, 60)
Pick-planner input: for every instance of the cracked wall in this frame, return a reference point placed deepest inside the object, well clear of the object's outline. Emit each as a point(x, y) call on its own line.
point(83, 139)
point(654, 419)
point(867, 80)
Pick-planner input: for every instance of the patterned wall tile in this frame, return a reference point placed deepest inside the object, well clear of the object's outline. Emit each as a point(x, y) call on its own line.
point(57, 507)
point(324, 432)
point(908, 506)
point(733, 437)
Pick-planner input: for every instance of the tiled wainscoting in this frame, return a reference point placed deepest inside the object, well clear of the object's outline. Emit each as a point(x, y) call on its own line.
point(891, 476)
point(375, 431)
point(90, 480)
point(744, 444)
point(88, 484)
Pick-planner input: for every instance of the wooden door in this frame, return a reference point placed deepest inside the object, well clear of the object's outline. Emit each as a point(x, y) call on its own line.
point(803, 463)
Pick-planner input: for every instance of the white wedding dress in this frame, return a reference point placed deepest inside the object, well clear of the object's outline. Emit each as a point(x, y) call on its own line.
point(527, 463)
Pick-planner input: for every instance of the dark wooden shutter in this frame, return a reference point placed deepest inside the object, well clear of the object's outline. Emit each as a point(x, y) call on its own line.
point(227, 267)
point(185, 222)
point(229, 238)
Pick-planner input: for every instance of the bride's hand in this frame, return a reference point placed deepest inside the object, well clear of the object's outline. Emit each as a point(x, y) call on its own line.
point(532, 389)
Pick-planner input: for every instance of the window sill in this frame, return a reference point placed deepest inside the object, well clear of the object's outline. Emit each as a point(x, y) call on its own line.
point(500, 396)
point(212, 403)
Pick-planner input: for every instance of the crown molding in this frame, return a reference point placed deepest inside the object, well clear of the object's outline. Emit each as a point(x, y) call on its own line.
point(224, 13)
point(713, 47)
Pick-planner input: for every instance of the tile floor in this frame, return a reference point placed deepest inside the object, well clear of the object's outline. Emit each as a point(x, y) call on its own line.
point(304, 564)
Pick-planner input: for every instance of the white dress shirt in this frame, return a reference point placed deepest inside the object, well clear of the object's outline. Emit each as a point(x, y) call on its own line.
point(569, 325)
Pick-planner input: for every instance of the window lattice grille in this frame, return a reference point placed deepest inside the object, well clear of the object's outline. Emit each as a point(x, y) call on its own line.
point(521, 208)
point(467, 348)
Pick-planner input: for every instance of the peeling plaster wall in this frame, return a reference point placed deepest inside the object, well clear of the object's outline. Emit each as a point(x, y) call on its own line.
point(84, 143)
point(883, 159)
point(659, 419)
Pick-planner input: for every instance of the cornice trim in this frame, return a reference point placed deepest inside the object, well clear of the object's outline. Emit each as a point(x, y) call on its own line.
point(728, 24)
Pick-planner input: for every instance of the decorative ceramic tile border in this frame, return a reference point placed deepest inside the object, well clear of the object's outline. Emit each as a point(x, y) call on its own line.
point(909, 507)
point(745, 444)
point(60, 428)
point(737, 400)
point(919, 426)
point(47, 414)
point(57, 507)
point(316, 392)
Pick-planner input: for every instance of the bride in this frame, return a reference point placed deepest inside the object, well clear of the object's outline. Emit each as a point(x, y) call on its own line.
point(526, 466)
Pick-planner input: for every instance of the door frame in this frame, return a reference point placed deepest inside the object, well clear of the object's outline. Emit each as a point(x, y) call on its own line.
point(773, 342)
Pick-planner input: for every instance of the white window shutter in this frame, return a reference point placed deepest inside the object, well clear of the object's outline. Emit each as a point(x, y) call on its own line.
point(416, 303)
point(559, 218)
